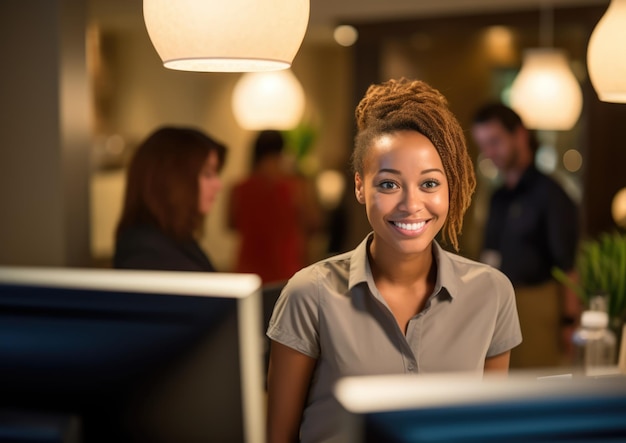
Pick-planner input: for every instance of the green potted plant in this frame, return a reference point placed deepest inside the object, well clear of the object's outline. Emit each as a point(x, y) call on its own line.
point(601, 269)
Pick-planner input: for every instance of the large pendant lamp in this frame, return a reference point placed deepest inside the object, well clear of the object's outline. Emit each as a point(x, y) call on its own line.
point(546, 93)
point(226, 35)
point(606, 54)
point(268, 100)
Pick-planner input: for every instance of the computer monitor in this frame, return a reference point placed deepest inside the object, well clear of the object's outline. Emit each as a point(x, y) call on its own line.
point(134, 355)
point(463, 408)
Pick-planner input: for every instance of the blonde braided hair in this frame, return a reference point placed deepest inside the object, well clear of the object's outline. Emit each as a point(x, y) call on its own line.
point(403, 104)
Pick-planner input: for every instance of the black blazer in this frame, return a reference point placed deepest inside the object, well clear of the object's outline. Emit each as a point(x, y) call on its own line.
point(148, 248)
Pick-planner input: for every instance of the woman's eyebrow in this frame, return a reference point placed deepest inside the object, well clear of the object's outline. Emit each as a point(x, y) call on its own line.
point(428, 171)
point(425, 171)
point(392, 171)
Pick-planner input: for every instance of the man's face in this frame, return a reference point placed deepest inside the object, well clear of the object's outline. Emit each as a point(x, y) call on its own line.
point(497, 144)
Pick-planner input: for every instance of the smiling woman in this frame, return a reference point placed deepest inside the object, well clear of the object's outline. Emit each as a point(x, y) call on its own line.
point(398, 303)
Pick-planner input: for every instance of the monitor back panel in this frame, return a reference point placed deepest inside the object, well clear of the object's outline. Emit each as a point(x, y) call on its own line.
point(132, 365)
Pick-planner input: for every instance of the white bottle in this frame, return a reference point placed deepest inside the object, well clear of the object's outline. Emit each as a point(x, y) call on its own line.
point(594, 343)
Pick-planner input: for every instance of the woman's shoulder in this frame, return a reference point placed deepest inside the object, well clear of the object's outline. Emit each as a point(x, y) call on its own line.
point(470, 271)
point(327, 275)
point(147, 247)
point(139, 235)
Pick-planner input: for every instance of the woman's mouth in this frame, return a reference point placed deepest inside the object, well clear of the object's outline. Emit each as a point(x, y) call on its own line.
point(412, 228)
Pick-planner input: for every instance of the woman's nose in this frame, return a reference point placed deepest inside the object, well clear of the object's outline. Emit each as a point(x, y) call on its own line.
point(412, 201)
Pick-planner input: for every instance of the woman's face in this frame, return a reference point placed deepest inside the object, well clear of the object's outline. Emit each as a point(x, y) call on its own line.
point(404, 190)
point(209, 183)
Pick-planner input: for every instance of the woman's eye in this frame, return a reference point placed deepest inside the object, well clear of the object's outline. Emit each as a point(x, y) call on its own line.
point(430, 184)
point(387, 185)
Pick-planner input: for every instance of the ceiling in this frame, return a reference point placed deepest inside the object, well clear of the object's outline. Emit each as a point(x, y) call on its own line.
point(325, 14)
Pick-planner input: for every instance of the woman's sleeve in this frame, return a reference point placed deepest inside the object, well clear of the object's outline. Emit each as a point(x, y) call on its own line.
point(295, 318)
point(507, 333)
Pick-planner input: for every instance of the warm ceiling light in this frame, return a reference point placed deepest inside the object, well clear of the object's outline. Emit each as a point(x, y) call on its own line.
point(618, 209)
point(330, 185)
point(226, 35)
point(268, 100)
point(546, 93)
point(499, 43)
point(572, 160)
point(606, 54)
point(346, 35)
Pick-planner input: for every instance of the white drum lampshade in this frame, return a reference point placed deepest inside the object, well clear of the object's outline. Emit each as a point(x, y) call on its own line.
point(268, 100)
point(546, 93)
point(226, 35)
point(606, 54)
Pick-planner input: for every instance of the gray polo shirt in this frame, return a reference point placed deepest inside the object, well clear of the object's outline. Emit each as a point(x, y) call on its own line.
point(333, 312)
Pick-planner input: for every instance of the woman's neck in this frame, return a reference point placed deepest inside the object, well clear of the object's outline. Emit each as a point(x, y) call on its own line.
point(404, 281)
point(402, 269)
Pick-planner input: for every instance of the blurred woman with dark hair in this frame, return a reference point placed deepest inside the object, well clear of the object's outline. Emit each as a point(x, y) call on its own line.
point(171, 186)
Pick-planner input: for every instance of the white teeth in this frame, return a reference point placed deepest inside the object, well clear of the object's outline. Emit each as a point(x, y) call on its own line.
point(410, 226)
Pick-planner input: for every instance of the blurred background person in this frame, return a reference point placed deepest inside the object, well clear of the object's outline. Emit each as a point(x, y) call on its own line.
point(274, 211)
point(171, 186)
point(532, 227)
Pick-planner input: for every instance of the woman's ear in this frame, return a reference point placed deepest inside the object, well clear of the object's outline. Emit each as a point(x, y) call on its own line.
point(358, 189)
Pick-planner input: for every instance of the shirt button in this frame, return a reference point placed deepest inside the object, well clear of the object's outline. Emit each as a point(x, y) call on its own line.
point(411, 367)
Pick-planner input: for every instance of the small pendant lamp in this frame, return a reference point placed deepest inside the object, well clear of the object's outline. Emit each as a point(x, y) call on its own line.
point(226, 35)
point(606, 54)
point(546, 93)
point(268, 100)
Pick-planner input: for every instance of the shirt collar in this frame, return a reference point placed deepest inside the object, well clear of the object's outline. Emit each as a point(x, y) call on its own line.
point(447, 278)
point(527, 177)
point(360, 271)
point(359, 264)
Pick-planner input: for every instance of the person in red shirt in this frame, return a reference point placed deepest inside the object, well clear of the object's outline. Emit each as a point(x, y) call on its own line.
point(274, 212)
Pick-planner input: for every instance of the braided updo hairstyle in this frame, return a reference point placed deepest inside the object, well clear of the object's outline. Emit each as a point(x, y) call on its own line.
point(398, 105)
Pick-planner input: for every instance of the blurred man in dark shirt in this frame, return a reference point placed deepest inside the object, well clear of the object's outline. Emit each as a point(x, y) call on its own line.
point(532, 227)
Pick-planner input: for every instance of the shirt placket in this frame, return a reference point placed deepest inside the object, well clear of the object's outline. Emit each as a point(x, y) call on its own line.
point(413, 333)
